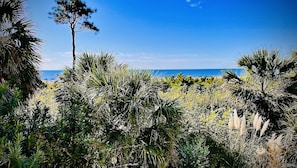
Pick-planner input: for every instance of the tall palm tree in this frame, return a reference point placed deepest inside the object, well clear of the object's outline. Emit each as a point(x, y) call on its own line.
point(265, 88)
point(18, 45)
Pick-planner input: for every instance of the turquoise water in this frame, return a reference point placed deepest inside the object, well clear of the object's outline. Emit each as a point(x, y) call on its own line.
point(53, 74)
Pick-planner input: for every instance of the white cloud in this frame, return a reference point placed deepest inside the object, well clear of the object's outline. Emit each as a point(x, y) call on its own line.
point(194, 3)
point(56, 61)
point(66, 54)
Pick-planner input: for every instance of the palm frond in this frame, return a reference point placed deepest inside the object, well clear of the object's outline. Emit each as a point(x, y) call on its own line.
point(231, 76)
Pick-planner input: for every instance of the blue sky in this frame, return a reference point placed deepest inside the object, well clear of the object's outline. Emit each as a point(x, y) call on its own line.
point(171, 34)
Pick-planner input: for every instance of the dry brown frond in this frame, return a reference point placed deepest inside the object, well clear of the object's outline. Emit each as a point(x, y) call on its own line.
point(275, 150)
point(278, 140)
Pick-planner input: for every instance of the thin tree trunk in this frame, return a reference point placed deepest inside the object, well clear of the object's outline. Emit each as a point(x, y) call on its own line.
point(73, 47)
point(262, 87)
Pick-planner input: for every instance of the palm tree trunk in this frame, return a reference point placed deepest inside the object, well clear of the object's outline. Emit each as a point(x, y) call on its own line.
point(73, 47)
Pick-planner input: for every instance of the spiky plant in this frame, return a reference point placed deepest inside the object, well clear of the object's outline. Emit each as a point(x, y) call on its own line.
point(121, 113)
point(18, 45)
point(292, 88)
point(264, 89)
point(290, 136)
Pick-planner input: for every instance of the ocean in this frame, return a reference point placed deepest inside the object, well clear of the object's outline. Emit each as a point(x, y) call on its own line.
point(51, 75)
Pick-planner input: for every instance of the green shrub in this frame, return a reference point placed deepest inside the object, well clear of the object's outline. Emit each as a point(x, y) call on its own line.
point(219, 156)
point(193, 152)
point(9, 98)
point(111, 116)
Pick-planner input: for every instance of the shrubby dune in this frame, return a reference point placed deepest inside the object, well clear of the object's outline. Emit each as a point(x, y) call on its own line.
point(103, 114)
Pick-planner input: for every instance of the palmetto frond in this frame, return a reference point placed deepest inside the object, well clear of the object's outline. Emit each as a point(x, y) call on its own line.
point(18, 45)
point(126, 112)
point(269, 83)
point(266, 64)
point(289, 64)
point(231, 76)
point(10, 10)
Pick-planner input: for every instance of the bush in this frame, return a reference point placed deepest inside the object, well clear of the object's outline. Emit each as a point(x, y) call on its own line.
point(193, 152)
point(111, 116)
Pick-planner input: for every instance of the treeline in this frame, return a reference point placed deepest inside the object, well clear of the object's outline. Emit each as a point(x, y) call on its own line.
point(181, 80)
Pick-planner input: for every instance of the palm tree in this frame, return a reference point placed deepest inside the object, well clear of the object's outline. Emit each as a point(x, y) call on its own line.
point(265, 87)
point(18, 57)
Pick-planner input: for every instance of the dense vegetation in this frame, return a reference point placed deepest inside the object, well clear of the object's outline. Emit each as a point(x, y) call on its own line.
point(102, 114)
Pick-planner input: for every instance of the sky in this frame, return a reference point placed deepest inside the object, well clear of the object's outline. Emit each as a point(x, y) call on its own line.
point(170, 34)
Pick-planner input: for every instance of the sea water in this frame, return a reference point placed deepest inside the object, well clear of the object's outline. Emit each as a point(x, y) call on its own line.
point(51, 75)
point(194, 72)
